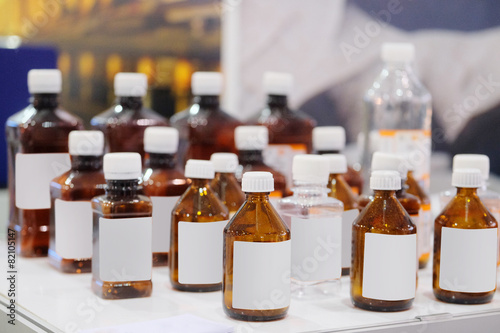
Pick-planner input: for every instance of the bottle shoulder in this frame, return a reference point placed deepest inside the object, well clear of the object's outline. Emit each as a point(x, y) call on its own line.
point(30, 117)
point(116, 114)
point(164, 182)
point(466, 212)
point(199, 205)
point(195, 111)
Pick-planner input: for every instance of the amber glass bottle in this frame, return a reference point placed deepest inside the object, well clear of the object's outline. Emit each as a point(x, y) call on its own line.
point(70, 248)
point(124, 123)
point(465, 245)
point(121, 262)
point(384, 250)
point(37, 140)
point(204, 128)
point(164, 183)
point(257, 252)
point(198, 221)
point(225, 183)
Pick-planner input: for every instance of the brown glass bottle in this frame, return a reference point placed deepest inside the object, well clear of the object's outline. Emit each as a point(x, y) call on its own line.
point(353, 177)
point(225, 183)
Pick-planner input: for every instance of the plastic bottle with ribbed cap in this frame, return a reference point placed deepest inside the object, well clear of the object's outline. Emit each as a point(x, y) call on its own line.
point(121, 214)
point(464, 272)
point(37, 153)
point(384, 245)
point(225, 183)
point(198, 221)
point(249, 278)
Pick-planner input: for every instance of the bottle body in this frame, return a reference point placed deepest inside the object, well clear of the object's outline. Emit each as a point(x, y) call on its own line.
point(229, 191)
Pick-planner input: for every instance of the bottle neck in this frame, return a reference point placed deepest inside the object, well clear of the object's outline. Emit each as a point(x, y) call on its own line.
point(398, 68)
point(322, 152)
point(200, 183)
point(310, 190)
point(45, 101)
point(86, 163)
point(121, 188)
point(160, 161)
point(466, 191)
point(384, 194)
point(130, 102)
point(277, 102)
point(257, 197)
point(207, 101)
point(250, 157)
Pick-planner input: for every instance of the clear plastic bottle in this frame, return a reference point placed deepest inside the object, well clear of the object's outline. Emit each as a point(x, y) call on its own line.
point(315, 220)
point(398, 113)
point(465, 245)
point(164, 182)
point(70, 248)
point(257, 252)
point(225, 183)
point(37, 140)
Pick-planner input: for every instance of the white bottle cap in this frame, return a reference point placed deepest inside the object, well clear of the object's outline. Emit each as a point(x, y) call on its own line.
point(398, 52)
point(131, 84)
point(338, 163)
point(276, 83)
point(251, 137)
point(161, 140)
point(44, 81)
point(224, 162)
point(310, 169)
point(86, 143)
point(199, 169)
point(122, 166)
point(387, 161)
point(328, 138)
point(206, 83)
point(474, 161)
point(257, 181)
point(385, 180)
point(466, 177)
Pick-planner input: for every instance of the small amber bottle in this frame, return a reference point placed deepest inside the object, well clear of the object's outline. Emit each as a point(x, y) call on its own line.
point(465, 245)
point(257, 252)
point(384, 250)
point(225, 183)
point(164, 183)
point(121, 262)
point(198, 221)
point(70, 248)
point(340, 190)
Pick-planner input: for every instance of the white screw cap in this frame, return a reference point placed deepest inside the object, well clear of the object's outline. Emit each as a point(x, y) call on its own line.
point(257, 181)
point(251, 137)
point(86, 143)
point(206, 83)
point(122, 166)
point(338, 163)
point(199, 169)
point(161, 140)
point(224, 162)
point(310, 169)
point(397, 52)
point(44, 81)
point(387, 161)
point(474, 161)
point(131, 84)
point(469, 177)
point(328, 138)
point(276, 83)
point(385, 180)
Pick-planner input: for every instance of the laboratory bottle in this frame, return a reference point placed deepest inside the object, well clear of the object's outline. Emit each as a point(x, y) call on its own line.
point(225, 183)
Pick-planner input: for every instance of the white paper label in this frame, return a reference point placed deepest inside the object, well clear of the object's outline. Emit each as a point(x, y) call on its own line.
point(73, 229)
point(316, 248)
point(261, 275)
point(34, 172)
point(200, 252)
point(390, 267)
point(162, 219)
point(125, 249)
point(348, 218)
point(468, 259)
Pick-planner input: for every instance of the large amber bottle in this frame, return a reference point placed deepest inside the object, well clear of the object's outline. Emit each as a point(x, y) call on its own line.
point(384, 250)
point(121, 262)
point(37, 140)
point(70, 248)
point(225, 183)
point(164, 182)
point(198, 221)
point(465, 245)
point(257, 252)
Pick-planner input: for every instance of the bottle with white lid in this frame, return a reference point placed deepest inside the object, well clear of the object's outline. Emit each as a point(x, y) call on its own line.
point(398, 113)
point(315, 220)
point(225, 183)
point(70, 248)
point(465, 245)
point(257, 252)
point(198, 221)
point(121, 262)
point(124, 123)
point(164, 182)
point(204, 128)
point(37, 141)
point(384, 250)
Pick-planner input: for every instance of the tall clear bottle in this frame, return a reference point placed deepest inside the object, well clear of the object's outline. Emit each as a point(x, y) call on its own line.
point(37, 141)
point(225, 183)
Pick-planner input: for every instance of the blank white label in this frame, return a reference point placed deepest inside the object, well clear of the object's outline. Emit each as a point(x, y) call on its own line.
point(125, 249)
point(162, 219)
point(200, 252)
point(348, 218)
point(468, 259)
point(316, 248)
point(73, 224)
point(390, 267)
point(261, 275)
point(34, 172)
